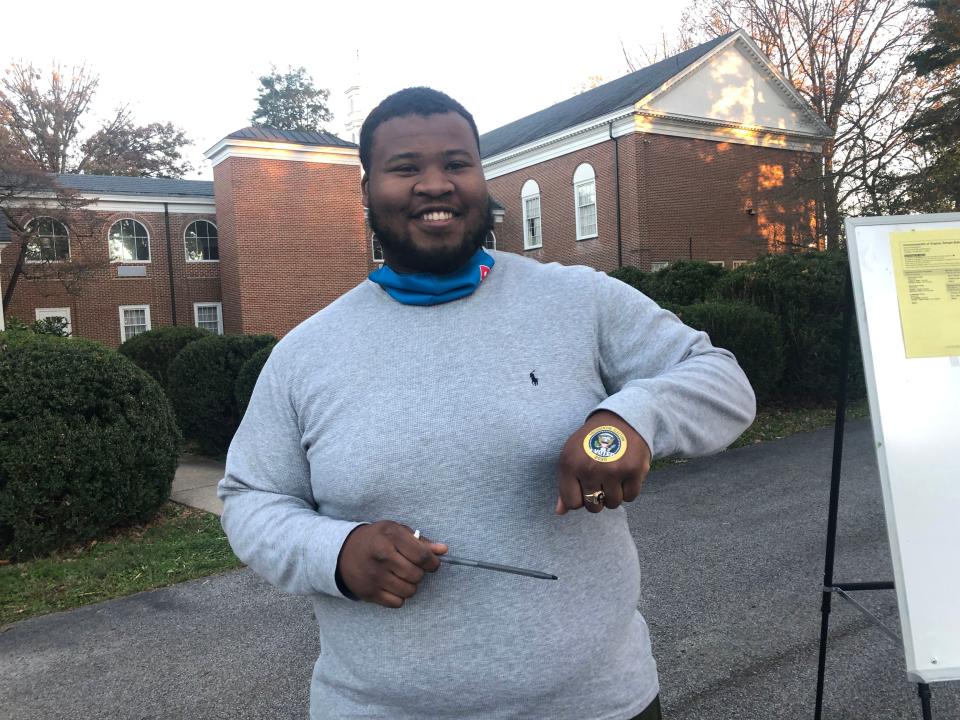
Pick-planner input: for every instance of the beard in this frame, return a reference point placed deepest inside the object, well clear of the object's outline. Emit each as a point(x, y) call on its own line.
point(440, 260)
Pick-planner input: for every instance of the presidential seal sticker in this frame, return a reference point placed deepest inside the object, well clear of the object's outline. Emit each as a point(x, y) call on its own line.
point(605, 444)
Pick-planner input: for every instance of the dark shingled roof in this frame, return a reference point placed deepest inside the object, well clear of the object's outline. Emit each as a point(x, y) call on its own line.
point(609, 97)
point(119, 185)
point(303, 137)
point(4, 230)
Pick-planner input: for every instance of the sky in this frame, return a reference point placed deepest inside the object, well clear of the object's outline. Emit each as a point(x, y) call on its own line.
point(197, 64)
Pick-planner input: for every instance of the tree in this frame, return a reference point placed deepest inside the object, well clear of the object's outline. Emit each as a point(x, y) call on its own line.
point(848, 59)
point(936, 127)
point(44, 118)
point(23, 180)
point(289, 101)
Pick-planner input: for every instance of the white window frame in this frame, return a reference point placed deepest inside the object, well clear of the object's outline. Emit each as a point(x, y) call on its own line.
point(740, 263)
point(129, 262)
point(530, 191)
point(123, 326)
point(374, 244)
point(186, 255)
point(659, 265)
point(218, 306)
point(27, 224)
point(63, 312)
point(487, 245)
point(582, 177)
point(718, 263)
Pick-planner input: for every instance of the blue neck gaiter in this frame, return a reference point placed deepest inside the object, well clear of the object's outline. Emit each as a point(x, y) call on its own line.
point(430, 289)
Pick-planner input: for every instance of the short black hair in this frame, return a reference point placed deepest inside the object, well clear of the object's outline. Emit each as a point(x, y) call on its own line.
point(422, 101)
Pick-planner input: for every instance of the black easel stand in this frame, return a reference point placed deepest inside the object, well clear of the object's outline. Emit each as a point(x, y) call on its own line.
point(829, 586)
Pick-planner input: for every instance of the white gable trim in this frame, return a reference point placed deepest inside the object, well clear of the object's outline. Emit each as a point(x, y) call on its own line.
point(746, 44)
point(126, 203)
point(262, 150)
point(642, 119)
point(649, 121)
point(566, 141)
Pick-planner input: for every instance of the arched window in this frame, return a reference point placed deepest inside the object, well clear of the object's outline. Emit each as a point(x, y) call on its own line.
point(129, 241)
point(530, 199)
point(585, 201)
point(48, 240)
point(200, 240)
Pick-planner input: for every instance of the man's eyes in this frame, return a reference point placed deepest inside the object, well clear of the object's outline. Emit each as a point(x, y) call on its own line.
point(408, 169)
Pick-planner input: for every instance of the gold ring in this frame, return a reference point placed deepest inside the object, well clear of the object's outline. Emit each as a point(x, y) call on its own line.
point(595, 498)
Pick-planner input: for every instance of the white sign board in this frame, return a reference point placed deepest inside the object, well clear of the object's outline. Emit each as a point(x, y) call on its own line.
point(906, 285)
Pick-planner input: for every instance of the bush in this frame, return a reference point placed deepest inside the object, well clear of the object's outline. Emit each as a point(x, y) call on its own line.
point(154, 350)
point(201, 386)
point(805, 292)
point(247, 378)
point(751, 334)
point(56, 326)
point(682, 283)
point(88, 443)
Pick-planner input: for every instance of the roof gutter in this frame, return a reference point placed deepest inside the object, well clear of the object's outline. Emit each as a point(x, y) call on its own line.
point(616, 185)
point(173, 296)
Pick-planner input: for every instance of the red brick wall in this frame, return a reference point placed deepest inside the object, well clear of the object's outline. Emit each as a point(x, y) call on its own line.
point(95, 299)
point(675, 193)
point(292, 238)
point(558, 218)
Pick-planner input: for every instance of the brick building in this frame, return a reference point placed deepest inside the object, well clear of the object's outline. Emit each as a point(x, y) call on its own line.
point(702, 156)
point(707, 155)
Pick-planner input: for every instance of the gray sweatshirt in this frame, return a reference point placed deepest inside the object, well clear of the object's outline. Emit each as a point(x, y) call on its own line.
point(429, 416)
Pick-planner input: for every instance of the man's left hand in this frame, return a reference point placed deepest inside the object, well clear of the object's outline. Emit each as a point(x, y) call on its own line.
point(581, 475)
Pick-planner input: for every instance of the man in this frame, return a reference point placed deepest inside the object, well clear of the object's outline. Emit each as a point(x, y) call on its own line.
point(474, 388)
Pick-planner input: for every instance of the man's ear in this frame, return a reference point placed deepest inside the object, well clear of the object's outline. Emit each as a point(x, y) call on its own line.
point(364, 195)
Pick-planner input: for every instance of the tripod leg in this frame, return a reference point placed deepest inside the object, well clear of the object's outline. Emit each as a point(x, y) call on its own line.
point(822, 664)
point(923, 690)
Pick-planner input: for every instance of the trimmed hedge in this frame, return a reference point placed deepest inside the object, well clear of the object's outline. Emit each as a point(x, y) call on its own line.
point(88, 442)
point(751, 334)
point(681, 283)
point(247, 378)
point(805, 291)
point(154, 350)
point(201, 385)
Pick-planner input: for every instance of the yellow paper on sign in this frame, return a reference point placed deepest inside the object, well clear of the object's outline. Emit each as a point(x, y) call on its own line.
point(926, 264)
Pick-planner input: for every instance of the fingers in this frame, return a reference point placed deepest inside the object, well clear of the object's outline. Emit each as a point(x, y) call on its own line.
point(383, 562)
point(570, 492)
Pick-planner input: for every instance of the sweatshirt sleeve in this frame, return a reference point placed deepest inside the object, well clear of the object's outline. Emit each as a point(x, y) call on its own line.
point(269, 513)
point(680, 393)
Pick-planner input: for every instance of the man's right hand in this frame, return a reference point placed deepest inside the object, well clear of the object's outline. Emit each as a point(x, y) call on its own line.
point(383, 562)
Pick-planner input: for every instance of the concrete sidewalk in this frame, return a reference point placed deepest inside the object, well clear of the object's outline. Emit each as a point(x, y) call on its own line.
point(195, 483)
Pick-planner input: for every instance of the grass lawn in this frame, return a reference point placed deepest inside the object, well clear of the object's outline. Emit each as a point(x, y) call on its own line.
point(183, 543)
point(180, 544)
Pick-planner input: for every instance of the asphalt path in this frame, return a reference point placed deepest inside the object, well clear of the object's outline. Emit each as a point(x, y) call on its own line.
point(732, 554)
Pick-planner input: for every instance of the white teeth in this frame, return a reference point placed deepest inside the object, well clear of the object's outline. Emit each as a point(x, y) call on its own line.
point(437, 215)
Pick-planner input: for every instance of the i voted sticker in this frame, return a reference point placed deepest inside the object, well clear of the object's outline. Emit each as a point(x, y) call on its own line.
point(605, 444)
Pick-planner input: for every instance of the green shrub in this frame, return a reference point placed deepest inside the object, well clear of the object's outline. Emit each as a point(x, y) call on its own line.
point(88, 442)
point(56, 326)
point(154, 350)
point(681, 283)
point(247, 378)
point(805, 291)
point(751, 334)
point(201, 386)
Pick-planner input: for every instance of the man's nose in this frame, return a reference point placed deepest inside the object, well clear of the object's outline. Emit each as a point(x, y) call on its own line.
point(433, 182)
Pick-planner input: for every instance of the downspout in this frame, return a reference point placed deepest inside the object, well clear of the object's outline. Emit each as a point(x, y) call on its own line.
point(173, 296)
point(616, 185)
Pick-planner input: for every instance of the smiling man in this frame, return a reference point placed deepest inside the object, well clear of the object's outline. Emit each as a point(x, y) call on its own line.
point(504, 408)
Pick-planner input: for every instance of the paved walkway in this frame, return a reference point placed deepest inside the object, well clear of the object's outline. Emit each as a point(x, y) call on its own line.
point(195, 483)
point(731, 549)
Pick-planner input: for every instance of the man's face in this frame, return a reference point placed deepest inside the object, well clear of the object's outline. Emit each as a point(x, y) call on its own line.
point(426, 193)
